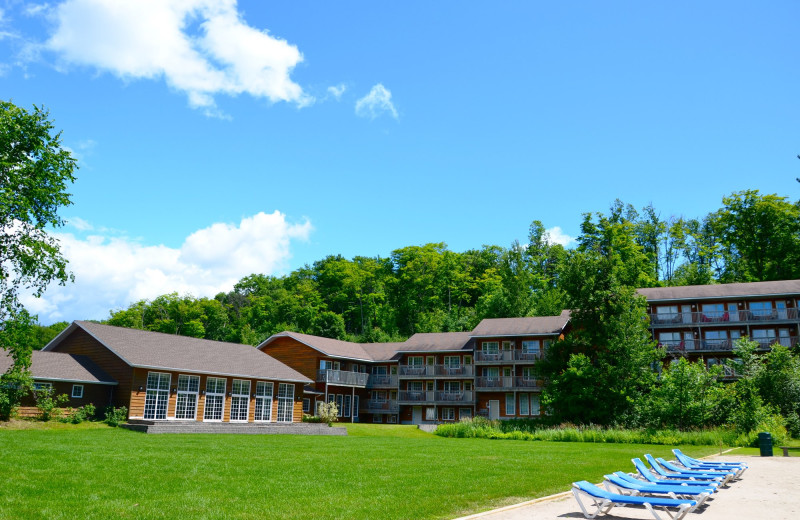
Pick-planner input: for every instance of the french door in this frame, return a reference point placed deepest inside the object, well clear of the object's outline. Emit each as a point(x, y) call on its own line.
point(215, 399)
point(240, 400)
point(186, 403)
point(157, 396)
point(263, 401)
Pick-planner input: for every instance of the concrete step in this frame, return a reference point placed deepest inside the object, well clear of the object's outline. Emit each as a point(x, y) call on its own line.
point(246, 428)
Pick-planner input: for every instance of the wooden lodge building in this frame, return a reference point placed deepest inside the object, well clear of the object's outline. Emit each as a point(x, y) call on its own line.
point(429, 378)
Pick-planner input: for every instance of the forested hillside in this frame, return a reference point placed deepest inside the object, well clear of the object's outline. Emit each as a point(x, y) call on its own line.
point(429, 288)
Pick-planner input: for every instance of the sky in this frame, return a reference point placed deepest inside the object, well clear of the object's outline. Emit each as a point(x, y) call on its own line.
point(218, 138)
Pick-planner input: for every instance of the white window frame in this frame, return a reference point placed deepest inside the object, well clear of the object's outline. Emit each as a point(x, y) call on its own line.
point(339, 405)
point(430, 413)
point(355, 406)
point(524, 404)
point(38, 385)
point(347, 405)
point(490, 347)
point(265, 391)
point(464, 413)
point(391, 419)
point(532, 346)
point(535, 409)
point(77, 392)
point(448, 414)
point(157, 396)
point(285, 402)
point(215, 395)
point(306, 405)
point(452, 361)
point(511, 410)
point(240, 400)
point(186, 400)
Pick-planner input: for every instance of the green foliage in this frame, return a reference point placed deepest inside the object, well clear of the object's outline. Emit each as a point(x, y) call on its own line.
point(35, 171)
point(16, 338)
point(115, 416)
point(48, 403)
point(328, 412)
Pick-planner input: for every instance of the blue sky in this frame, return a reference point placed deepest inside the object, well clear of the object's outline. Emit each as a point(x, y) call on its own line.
point(219, 138)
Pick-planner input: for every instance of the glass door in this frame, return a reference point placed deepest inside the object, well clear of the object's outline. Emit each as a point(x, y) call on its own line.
point(240, 400)
point(186, 403)
point(157, 396)
point(263, 412)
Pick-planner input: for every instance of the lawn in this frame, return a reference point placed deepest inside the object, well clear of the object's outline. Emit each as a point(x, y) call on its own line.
point(376, 472)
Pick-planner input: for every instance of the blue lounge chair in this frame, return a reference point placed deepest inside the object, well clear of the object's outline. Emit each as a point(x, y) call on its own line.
point(603, 501)
point(690, 463)
point(648, 475)
point(630, 486)
point(693, 475)
point(728, 474)
point(694, 484)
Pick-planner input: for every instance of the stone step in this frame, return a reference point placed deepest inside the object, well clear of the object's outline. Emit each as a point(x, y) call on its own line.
point(249, 428)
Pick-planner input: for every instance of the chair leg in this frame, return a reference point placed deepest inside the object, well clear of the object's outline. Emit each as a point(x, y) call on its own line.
point(602, 506)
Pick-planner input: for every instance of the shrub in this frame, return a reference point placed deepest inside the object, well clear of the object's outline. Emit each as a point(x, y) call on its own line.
point(311, 418)
point(84, 413)
point(48, 404)
point(328, 412)
point(115, 416)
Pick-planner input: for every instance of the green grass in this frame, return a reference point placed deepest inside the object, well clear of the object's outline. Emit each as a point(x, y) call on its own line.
point(375, 472)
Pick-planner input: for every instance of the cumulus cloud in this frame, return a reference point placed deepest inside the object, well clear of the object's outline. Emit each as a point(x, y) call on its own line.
point(376, 103)
point(557, 236)
point(199, 47)
point(337, 90)
point(112, 272)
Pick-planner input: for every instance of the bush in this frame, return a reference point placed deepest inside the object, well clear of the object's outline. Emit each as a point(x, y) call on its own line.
point(48, 404)
point(84, 413)
point(311, 418)
point(115, 416)
point(328, 412)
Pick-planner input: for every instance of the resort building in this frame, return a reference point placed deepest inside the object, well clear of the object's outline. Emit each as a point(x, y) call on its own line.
point(169, 377)
point(704, 320)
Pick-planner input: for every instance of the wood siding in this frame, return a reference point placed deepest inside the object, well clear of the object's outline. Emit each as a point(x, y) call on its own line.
point(294, 354)
point(79, 342)
point(98, 395)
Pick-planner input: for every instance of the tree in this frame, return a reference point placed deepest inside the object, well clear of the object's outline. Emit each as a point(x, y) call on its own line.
point(35, 171)
point(34, 174)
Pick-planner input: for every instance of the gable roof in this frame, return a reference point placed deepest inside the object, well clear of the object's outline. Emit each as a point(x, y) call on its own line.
point(530, 326)
point(722, 291)
point(58, 366)
point(147, 349)
point(328, 346)
point(437, 341)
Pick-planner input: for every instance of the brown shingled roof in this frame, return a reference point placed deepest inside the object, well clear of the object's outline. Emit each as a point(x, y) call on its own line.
point(531, 326)
point(328, 346)
point(437, 341)
point(721, 291)
point(58, 366)
point(156, 350)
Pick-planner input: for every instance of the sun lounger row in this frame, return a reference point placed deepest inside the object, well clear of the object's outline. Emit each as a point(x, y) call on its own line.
point(675, 489)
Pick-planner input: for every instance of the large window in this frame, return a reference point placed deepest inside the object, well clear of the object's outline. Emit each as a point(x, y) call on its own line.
point(186, 403)
point(240, 400)
point(531, 349)
point(489, 347)
point(535, 405)
point(215, 399)
point(511, 409)
point(523, 404)
point(285, 402)
point(157, 396)
point(430, 414)
point(761, 309)
point(263, 410)
point(347, 404)
point(339, 405)
point(448, 414)
point(355, 407)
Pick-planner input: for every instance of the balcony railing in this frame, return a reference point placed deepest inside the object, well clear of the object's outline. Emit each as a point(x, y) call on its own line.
point(670, 319)
point(502, 356)
point(436, 397)
point(724, 345)
point(381, 406)
point(342, 377)
point(461, 371)
point(382, 381)
point(507, 383)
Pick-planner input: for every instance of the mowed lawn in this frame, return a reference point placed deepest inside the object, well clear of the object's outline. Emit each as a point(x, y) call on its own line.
point(380, 472)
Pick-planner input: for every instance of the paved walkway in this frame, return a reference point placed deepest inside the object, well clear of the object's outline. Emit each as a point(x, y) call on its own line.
point(769, 489)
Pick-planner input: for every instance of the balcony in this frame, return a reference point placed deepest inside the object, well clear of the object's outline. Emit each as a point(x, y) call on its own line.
point(381, 406)
point(493, 384)
point(506, 356)
point(437, 397)
point(435, 371)
point(342, 378)
point(723, 345)
point(382, 381)
point(677, 319)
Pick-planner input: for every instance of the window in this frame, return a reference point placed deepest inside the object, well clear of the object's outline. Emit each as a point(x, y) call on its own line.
point(325, 364)
point(306, 405)
point(415, 361)
point(528, 374)
point(452, 361)
point(761, 309)
point(523, 404)
point(347, 404)
point(530, 349)
point(157, 395)
point(42, 386)
point(391, 419)
point(535, 405)
point(467, 360)
point(415, 386)
point(355, 407)
point(240, 400)
point(430, 414)
point(716, 334)
point(77, 391)
point(186, 402)
point(666, 314)
point(377, 418)
point(489, 347)
point(263, 411)
point(508, 345)
point(339, 404)
point(285, 402)
point(669, 338)
point(452, 389)
point(215, 399)
point(764, 333)
point(448, 414)
point(379, 370)
point(510, 405)
point(464, 413)
point(337, 365)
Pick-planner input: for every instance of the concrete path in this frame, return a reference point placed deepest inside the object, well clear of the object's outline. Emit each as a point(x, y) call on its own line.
point(769, 489)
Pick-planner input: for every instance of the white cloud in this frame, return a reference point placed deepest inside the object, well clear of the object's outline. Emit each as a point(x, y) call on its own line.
point(557, 236)
point(200, 47)
point(337, 90)
point(377, 102)
point(112, 272)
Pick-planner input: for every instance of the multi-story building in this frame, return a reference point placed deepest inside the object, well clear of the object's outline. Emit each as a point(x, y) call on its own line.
point(704, 320)
point(429, 378)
